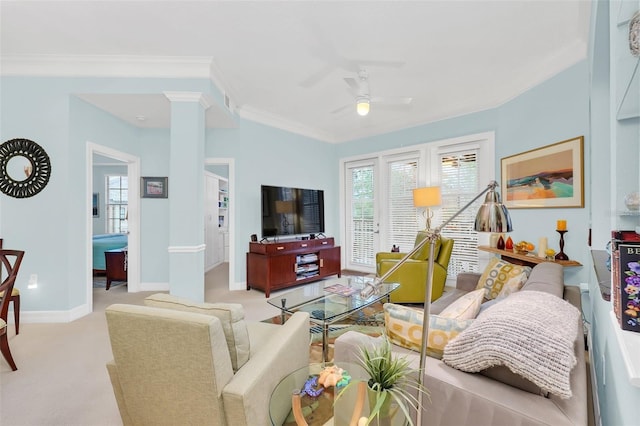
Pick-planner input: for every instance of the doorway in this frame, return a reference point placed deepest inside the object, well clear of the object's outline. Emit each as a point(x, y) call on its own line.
point(97, 154)
point(225, 168)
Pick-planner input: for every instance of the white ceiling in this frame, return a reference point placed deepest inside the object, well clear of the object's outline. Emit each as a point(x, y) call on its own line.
point(283, 63)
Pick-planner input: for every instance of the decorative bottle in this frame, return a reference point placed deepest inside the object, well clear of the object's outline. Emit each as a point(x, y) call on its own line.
point(509, 244)
point(500, 244)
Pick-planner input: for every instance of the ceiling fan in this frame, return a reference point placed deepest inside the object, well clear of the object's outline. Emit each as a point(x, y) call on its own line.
point(360, 89)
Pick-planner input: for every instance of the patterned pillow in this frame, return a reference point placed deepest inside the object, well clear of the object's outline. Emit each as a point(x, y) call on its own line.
point(404, 328)
point(512, 285)
point(466, 307)
point(497, 274)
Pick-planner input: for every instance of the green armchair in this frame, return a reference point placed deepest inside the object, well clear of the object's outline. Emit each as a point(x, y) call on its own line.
point(412, 275)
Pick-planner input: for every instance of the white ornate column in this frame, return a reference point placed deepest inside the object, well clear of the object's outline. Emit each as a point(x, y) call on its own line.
point(186, 195)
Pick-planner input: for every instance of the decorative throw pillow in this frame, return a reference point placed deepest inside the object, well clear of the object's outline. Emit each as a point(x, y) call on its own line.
point(466, 307)
point(530, 332)
point(512, 285)
point(231, 316)
point(404, 328)
point(498, 273)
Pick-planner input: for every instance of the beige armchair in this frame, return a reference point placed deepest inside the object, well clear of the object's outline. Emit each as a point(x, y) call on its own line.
point(178, 362)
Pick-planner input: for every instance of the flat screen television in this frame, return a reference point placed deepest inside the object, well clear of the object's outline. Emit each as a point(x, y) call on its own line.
point(291, 211)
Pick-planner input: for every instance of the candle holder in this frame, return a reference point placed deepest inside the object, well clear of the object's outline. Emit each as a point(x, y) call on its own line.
point(561, 255)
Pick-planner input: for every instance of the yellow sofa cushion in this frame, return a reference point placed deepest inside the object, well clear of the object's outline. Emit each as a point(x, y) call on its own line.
point(403, 327)
point(497, 275)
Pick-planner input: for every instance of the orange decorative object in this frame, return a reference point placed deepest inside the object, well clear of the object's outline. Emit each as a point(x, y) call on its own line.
point(509, 244)
point(297, 410)
point(357, 409)
point(561, 225)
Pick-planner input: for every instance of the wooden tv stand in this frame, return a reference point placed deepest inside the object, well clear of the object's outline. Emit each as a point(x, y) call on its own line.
point(278, 265)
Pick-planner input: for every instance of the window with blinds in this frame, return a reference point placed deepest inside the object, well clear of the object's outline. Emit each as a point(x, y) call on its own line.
point(117, 204)
point(360, 226)
point(401, 214)
point(459, 184)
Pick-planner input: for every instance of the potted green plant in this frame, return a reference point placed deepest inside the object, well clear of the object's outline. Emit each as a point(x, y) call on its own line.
point(391, 380)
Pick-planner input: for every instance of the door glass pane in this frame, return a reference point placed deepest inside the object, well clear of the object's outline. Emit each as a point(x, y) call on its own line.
point(360, 224)
point(117, 204)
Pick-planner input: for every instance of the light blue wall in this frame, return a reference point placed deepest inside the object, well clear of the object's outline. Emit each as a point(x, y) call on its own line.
point(556, 110)
point(614, 158)
point(268, 156)
point(263, 155)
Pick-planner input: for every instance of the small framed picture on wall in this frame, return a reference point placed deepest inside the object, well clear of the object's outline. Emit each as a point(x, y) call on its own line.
point(154, 187)
point(95, 206)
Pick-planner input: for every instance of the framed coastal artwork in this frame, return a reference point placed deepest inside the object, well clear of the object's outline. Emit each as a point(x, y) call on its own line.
point(547, 177)
point(154, 187)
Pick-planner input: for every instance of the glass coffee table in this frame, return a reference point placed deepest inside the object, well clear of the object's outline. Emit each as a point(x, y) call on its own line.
point(319, 409)
point(320, 406)
point(330, 301)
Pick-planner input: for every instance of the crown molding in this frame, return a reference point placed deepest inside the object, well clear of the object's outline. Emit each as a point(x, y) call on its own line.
point(189, 97)
point(270, 120)
point(106, 66)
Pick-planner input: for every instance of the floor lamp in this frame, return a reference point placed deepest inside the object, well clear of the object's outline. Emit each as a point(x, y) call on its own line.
point(492, 216)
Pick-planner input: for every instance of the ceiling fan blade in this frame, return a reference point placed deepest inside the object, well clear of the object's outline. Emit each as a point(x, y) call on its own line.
point(343, 108)
point(392, 100)
point(316, 77)
point(353, 83)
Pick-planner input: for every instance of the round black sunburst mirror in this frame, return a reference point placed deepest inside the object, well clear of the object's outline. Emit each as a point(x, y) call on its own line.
point(25, 168)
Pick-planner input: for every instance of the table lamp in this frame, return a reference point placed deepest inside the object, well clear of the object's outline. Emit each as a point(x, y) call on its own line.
point(492, 216)
point(426, 197)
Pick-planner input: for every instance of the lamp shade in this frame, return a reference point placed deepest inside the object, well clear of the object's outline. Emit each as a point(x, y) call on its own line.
point(362, 106)
point(427, 197)
point(493, 216)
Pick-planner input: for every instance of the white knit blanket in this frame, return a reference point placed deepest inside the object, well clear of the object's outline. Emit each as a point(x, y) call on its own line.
point(530, 332)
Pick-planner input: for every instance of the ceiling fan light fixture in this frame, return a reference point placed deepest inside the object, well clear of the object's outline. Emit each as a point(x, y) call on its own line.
point(362, 106)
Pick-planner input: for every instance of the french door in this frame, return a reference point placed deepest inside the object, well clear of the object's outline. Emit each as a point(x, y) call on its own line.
point(379, 207)
point(362, 225)
point(378, 199)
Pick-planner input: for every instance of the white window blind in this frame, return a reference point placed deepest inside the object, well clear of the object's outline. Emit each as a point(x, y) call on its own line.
point(117, 204)
point(360, 224)
point(401, 214)
point(459, 185)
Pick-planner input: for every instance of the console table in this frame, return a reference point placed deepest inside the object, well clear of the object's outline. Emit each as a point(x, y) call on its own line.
point(278, 265)
point(526, 259)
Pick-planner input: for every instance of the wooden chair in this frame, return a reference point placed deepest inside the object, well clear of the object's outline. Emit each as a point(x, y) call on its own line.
point(15, 299)
point(10, 272)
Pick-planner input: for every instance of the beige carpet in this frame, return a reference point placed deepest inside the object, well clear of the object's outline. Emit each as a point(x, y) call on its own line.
point(62, 379)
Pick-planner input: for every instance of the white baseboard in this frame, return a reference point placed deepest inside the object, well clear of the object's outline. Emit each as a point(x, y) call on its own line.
point(238, 286)
point(32, 317)
point(163, 286)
